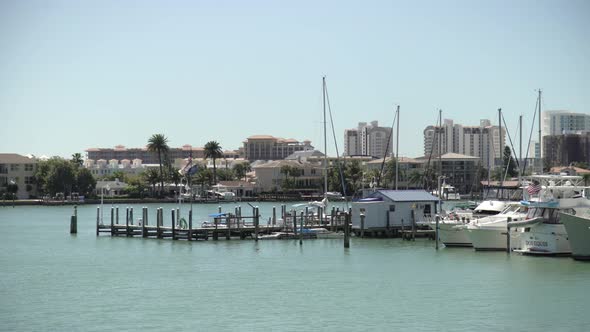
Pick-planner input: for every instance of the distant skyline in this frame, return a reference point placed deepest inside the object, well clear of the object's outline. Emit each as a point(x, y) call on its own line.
point(82, 74)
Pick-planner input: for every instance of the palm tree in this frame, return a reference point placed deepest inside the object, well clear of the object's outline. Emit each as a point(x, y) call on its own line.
point(213, 151)
point(159, 143)
point(77, 159)
point(241, 169)
point(152, 177)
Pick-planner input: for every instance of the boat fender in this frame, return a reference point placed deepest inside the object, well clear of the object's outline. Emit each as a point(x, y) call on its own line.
point(182, 223)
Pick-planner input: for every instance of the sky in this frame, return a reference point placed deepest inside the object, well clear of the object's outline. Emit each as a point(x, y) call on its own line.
point(82, 74)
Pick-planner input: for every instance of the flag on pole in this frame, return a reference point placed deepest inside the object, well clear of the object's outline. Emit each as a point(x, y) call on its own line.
point(186, 167)
point(534, 188)
point(194, 169)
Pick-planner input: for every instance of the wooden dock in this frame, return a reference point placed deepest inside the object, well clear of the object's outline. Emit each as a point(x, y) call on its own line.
point(224, 225)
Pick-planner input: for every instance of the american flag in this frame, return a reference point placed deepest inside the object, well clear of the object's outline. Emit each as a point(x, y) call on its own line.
point(534, 188)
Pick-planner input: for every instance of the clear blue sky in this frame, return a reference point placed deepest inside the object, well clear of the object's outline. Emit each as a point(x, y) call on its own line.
point(80, 74)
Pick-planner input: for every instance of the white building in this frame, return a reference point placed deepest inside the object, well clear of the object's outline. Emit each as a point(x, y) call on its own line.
point(368, 140)
point(102, 168)
point(389, 209)
point(558, 122)
point(481, 141)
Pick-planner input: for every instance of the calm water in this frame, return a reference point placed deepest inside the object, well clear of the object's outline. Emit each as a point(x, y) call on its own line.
point(50, 280)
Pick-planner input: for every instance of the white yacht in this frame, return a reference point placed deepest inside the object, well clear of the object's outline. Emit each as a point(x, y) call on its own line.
point(578, 230)
point(543, 232)
point(489, 233)
point(452, 231)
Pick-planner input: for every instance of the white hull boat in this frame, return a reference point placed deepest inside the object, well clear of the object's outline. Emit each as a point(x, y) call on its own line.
point(578, 230)
point(453, 234)
point(545, 239)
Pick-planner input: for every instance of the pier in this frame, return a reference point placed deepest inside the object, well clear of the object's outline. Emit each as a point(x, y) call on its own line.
point(230, 225)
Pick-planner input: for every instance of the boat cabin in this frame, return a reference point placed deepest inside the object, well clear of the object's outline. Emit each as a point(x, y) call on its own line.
point(385, 209)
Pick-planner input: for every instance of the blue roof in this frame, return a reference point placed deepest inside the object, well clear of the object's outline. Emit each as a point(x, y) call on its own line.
point(406, 195)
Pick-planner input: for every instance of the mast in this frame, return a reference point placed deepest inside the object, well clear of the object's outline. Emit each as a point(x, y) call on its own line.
point(325, 139)
point(397, 151)
point(540, 138)
point(501, 146)
point(439, 153)
point(520, 162)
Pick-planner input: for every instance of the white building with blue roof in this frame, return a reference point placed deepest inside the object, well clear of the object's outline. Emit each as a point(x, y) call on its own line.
point(388, 210)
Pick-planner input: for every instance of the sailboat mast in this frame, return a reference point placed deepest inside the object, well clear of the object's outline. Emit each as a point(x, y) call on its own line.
point(397, 151)
point(520, 162)
point(501, 146)
point(325, 139)
point(540, 143)
point(439, 153)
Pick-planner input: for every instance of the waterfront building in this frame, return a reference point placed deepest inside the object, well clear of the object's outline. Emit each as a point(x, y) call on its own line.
point(120, 153)
point(385, 210)
point(269, 176)
point(103, 168)
point(564, 122)
point(267, 147)
point(407, 166)
point(484, 141)
point(565, 149)
point(368, 140)
point(18, 169)
point(568, 170)
point(458, 170)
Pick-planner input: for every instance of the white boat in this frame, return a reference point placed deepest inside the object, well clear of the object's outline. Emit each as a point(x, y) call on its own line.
point(489, 233)
point(543, 232)
point(322, 233)
point(578, 230)
point(451, 229)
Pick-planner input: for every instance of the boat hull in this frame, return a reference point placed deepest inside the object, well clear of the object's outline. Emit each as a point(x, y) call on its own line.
point(487, 239)
point(452, 235)
point(578, 231)
point(545, 239)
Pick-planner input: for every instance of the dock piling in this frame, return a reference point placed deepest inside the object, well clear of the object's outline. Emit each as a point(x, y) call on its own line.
point(436, 231)
point(508, 249)
point(347, 229)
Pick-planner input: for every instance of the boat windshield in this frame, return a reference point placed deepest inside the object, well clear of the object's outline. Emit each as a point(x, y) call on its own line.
point(513, 208)
point(550, 216)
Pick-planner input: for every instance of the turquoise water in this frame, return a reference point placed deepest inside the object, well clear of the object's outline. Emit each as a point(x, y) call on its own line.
point(52, 281)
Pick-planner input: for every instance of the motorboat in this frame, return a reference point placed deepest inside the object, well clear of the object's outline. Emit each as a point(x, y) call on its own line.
point(451, 229)
point(547, 198)
point(578, 231)
point(489, 233)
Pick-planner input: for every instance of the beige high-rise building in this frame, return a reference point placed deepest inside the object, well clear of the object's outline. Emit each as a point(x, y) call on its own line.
point(368, 140)
point(18, 170)
point(481, 141)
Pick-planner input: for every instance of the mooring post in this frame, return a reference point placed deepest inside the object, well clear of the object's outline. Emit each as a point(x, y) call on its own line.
point(436, 230)
point(413, 225)
point(144, 213)
point(332, 214)
point(508, 235)
point(74, 222)
point(362, 215)
point(274, 215)
point(228, 222)
point(301, 227)
point(320, 221)
point(173, 224)
point(178, 217)
point(97, 219)
point(215, 235)
point(190, 225)
point(117, 215)
point(294, 214)
point(240, 215)
point(347, 229)
point(219, 209)
point(112, 216)
point(159, 222)
point(256, 220)
point(112, 221)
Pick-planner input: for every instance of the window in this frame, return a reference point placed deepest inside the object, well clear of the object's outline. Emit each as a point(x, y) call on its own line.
point(29, 180)
point(14, 167)
point(28, 167)
point(392, 208)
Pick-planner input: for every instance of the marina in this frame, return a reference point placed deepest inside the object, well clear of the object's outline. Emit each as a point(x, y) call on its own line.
point(46, 270)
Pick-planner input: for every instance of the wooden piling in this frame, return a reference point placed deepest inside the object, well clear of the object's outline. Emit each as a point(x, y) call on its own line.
point(228, 223)
point(159, 222)
point(215, 234)
point(112, 222)
point(97, 219)
point(301, 220)
point(190, 225)
point(144, 212)
point(274, 215)
point(117, 215)
point(508, 235)
point(413, 225)
point(131, 216)
point(347, 229)
point(256, 221)
point(362, 224)
point(173, 224)
point(74, 225)
point(436, 230)
point(332, 214)
point(294, 216)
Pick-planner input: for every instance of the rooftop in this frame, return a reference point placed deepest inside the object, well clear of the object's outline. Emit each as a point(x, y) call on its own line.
point(13, 158)
point(406, 195)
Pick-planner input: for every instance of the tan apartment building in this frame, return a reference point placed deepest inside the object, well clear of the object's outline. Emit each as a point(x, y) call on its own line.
point(19, 170)
point(121, 153)
point(267, 147)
